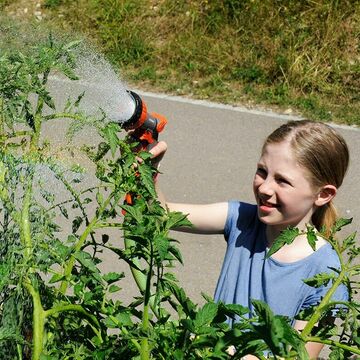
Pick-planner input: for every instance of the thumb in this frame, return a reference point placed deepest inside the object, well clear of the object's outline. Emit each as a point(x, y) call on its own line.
point(158, 152)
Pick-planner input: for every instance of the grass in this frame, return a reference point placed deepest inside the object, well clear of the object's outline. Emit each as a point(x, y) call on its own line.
point(298, 56)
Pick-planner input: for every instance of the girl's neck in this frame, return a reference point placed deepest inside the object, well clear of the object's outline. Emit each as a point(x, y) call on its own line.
point(297, 250)
point(273, 232)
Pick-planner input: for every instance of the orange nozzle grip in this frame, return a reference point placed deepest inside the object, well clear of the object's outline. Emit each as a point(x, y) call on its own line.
point(162, 121)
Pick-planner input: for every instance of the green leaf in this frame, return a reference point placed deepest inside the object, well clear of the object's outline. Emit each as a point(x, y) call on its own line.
point(124, 318)
point(263, 310)
point(145, 155)
point(45, 95)
point(178, 354)
point(134, 212)
point(105, 238)
point(311, 236)
point(86, 261)
point(110, 134)
point(99, 198)
point(187, 305)
point(337, 354)
point(76, 223)
point(72, 44)
point(67, 71)
point(206, 314)
point(78, 100)
point(236, 309)
point(177, 253)
point(348, 241)
point(161, 244)
point(321, 279)
point(110, 323)
point(147, 179)
point(114, 288)
point(56, 278)
point(286, 237)
point(340, 223)
point(112, 277)
point(177, 219)
point(64, 211)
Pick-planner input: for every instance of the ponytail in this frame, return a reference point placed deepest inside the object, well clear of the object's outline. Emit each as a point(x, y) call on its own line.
point(324, 218)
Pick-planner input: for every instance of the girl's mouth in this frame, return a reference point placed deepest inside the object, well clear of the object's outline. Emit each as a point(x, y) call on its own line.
point(267, 206)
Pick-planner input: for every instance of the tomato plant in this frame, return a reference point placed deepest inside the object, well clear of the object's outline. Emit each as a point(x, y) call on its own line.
point(57, 304)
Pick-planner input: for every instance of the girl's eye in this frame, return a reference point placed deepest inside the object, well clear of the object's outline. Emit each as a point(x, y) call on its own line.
point(283, 181)
point(261, 172)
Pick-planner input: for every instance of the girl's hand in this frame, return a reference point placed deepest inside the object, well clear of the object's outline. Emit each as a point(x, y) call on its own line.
point(158, 152)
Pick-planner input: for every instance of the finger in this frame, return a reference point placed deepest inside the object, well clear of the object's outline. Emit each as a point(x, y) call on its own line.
point(159, 149)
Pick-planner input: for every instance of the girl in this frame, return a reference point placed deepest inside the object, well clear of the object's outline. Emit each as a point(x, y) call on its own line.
point(301, 167)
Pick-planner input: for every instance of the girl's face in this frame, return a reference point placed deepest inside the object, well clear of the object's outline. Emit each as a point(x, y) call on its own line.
point(283, 193)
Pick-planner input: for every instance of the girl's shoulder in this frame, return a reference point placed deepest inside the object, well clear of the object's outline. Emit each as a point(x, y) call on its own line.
point(321, 260)
point(240, 215)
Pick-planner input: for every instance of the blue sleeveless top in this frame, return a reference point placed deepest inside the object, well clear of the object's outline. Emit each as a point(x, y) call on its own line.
point(246, 274)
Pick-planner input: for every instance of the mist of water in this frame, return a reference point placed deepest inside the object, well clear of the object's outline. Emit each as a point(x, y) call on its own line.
point(101, 85)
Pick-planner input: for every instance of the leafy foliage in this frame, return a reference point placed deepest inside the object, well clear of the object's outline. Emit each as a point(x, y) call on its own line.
point(55, 301)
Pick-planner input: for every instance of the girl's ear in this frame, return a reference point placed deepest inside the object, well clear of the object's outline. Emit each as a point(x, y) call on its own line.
point(325, 195)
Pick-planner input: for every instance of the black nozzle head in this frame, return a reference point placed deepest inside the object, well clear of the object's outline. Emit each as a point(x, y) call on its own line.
point(138, 105)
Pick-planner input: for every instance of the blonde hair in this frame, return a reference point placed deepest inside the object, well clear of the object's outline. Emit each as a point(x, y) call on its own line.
point(323, 152)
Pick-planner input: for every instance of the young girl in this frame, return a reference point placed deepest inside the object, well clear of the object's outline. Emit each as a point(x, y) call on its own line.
point(301, 167)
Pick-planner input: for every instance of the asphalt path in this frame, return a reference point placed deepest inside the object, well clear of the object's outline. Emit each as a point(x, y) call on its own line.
point(212, 154)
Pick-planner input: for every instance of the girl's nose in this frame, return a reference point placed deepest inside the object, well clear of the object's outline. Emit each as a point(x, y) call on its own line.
point(266, 188)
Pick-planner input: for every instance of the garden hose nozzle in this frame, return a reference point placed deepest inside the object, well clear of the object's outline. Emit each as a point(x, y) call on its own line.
point(145, 127)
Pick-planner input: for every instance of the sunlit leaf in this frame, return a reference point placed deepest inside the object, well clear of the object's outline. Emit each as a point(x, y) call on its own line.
point(206, 314)
point(311, 237)
point(286, 237)
point(147, 179)
point(321, 279)
point(340, 223)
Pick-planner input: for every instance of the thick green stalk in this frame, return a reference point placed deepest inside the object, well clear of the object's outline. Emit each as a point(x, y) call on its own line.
point(38, 321)
point(70, 264)
point(25, 220)
point(140, 278)
point(145, 351)
point(318, 312)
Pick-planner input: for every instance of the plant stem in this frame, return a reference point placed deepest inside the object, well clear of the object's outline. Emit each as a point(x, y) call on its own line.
point(25, 220)
point(318, 312)
point(75, 307)
point(63, 115)
point(334, 343)
point(70, 264)
point(140, 278)
point(38, 321)
point(145, 351)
